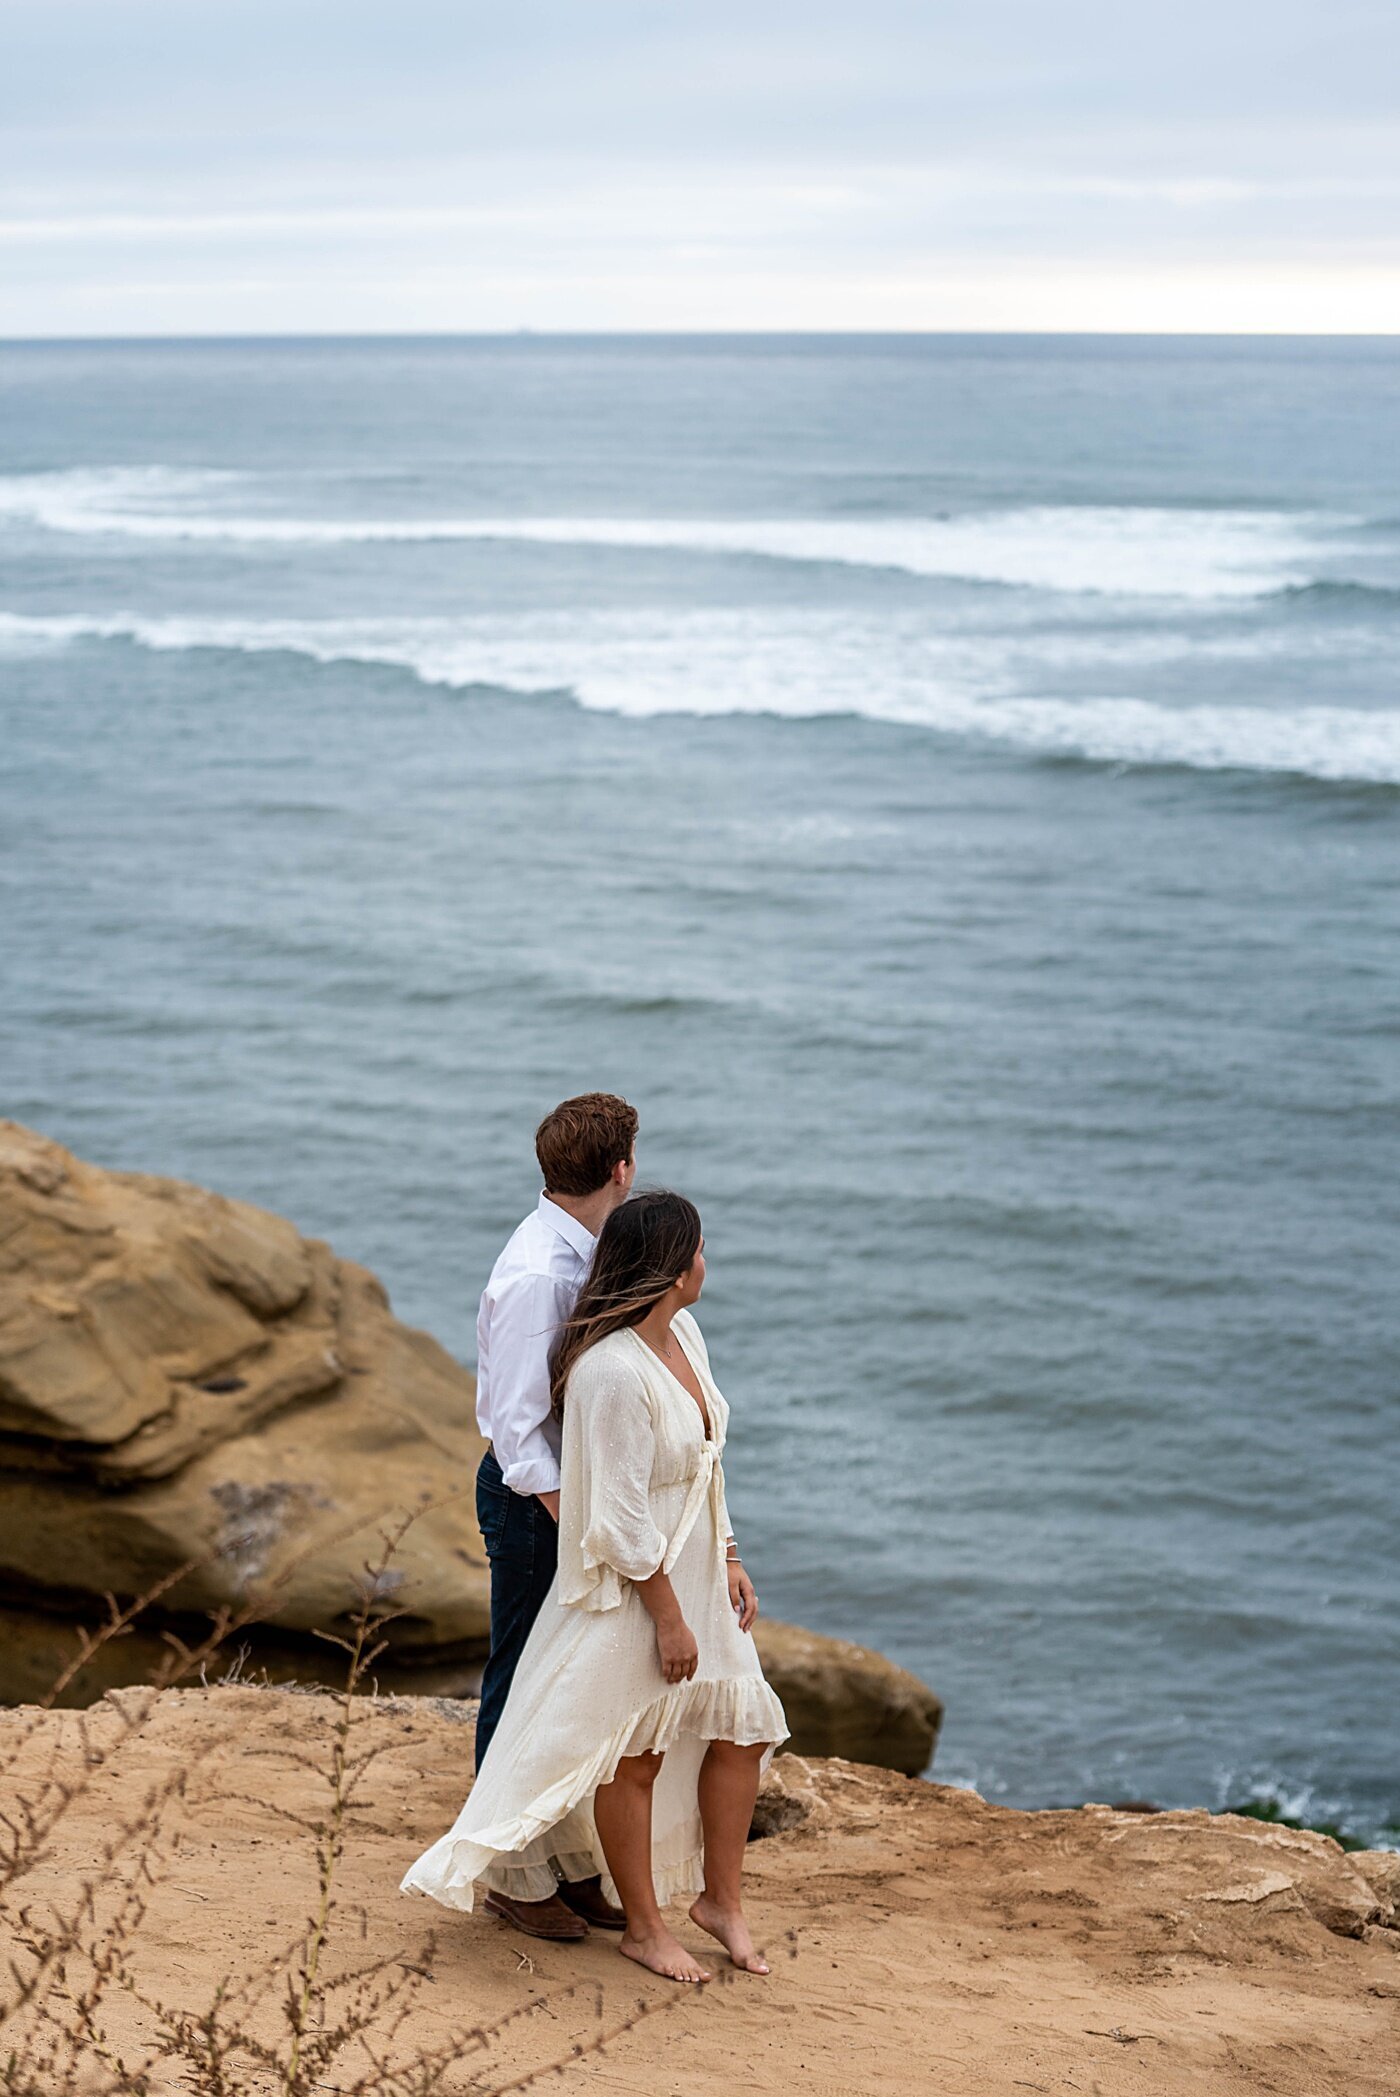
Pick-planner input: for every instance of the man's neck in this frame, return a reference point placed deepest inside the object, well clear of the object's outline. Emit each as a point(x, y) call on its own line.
point(591, 1210)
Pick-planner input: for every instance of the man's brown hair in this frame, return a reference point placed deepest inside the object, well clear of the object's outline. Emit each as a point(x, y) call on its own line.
point(581, 1141)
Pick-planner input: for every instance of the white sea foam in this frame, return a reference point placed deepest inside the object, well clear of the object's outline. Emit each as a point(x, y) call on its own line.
point(719, 663)
point(1114, 550)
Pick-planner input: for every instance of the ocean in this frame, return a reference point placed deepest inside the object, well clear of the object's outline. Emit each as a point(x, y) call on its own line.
point(951, 785)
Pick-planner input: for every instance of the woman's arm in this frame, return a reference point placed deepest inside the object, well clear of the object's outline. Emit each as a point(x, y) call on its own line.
point(742, 1596)
point(609, 1450)
point(675, 1641)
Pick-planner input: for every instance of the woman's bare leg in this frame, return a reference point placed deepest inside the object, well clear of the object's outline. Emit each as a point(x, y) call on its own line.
point(622, 1815)
point(728, 1788)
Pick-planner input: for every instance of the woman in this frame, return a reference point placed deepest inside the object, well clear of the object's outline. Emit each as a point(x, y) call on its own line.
point(639, 1721)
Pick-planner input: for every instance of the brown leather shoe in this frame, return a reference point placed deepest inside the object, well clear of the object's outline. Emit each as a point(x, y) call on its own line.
point(538, 1918)
point(587, 1898)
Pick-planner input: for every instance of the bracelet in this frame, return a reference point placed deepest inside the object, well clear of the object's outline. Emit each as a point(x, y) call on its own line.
point(735, 1559)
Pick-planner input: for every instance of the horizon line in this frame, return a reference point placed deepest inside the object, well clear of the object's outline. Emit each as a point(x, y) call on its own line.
point(535, 334)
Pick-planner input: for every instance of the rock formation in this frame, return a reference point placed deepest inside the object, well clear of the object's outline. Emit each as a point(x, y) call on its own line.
point(189, 1387)
point(842, 1699)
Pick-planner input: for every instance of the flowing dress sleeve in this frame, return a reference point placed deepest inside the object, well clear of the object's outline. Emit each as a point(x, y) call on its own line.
point(606, 1531)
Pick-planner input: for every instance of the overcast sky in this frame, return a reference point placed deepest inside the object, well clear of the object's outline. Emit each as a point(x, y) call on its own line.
point(220, 166)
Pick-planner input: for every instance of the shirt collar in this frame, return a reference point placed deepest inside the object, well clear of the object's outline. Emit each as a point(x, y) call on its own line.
point(568, 1227)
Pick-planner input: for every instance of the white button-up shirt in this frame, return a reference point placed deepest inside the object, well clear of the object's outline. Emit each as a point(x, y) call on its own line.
point(533, 1287)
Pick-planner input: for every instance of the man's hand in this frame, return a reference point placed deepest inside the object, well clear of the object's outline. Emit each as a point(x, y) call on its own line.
point(741, 1595)
point(550, 1501)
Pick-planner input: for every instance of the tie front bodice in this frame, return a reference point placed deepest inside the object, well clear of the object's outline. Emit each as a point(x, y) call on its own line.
point(638, 1471)
point(706, 1483)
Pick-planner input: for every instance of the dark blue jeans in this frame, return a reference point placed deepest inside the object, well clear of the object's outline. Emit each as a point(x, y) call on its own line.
point(522, 1543)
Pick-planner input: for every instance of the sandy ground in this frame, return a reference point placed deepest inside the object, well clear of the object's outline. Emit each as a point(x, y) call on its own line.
point(922, 1940)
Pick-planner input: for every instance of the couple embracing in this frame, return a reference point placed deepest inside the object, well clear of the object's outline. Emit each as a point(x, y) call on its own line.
point(624, 1719)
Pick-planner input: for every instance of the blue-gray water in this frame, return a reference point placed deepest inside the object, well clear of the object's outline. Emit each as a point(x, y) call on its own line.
point(952, 786)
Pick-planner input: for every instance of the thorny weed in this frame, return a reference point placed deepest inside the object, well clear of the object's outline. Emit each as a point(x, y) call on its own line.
point(65, 1963)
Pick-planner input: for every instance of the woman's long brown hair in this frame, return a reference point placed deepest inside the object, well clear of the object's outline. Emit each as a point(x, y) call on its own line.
point(644, 1246)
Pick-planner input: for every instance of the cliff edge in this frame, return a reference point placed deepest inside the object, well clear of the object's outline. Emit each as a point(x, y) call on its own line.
point(922, 1939)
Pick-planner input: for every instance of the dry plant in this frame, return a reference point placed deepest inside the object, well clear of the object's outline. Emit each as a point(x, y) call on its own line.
point(285, 2028)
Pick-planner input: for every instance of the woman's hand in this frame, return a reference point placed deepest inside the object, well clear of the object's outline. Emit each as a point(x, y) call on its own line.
point(741, 1595)
point(675, 1642)
point(676, 1649)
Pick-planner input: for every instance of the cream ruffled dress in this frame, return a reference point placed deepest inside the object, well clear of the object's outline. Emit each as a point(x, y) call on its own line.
point(642, 1488)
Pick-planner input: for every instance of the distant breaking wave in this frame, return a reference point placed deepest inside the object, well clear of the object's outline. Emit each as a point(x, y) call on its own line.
point(1360, 596)
point(718, 663)
point(1114, 550)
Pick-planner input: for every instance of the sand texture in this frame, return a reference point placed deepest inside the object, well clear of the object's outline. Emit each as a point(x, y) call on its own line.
point(922, 1940)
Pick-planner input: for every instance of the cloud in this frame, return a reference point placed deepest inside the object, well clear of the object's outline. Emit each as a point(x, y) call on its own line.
point(635, 163)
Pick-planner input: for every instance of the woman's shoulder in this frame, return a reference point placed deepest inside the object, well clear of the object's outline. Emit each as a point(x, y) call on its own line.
point(608, 1363)
point(691, 1334)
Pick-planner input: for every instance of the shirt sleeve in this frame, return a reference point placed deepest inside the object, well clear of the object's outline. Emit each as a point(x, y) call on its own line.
point(606, 1531)
point(525, 1318)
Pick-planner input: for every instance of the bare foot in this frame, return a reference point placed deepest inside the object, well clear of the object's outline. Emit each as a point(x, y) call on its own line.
point(729, 1926)
point(664, 1955)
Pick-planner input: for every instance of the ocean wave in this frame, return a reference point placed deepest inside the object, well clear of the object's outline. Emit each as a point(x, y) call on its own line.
point(711, 664)
point(1225, 1789)
point(1309, 1803)
point(1116, 550)
point(1362, 596)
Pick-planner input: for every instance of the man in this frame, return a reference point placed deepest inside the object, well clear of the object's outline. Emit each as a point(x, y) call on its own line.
point(586, 1149)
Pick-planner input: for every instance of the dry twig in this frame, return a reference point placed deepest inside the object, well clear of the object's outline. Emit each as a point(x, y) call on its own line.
point(348, 2031)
